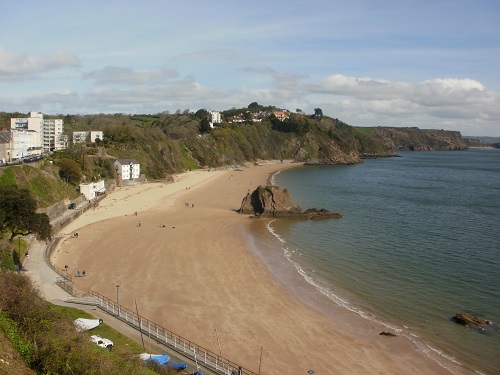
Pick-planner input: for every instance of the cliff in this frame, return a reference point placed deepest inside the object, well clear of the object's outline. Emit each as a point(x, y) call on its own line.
point(275, 202)
point(414, 139)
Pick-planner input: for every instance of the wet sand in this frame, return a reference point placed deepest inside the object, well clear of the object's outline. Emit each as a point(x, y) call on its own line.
point(197, 277)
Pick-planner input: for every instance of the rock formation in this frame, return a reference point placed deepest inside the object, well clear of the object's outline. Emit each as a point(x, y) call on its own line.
point(274, 201)
point(386, 333)
point(470, 320)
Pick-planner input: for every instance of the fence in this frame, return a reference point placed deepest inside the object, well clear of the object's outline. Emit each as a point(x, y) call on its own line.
point(181, 345)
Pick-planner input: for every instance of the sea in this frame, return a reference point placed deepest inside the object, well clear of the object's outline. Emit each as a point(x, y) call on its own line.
point(419, 242)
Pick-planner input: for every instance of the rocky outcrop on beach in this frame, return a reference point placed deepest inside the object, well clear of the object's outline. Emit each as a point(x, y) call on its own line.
point(274, 201)
point(470, 320)
point(386, 333)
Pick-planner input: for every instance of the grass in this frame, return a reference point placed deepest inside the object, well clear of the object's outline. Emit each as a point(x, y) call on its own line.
point(122, 344)
point(364, 130)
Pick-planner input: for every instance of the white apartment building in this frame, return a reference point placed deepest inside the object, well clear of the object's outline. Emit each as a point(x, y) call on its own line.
point(49, 131)
point(25, 143)
point(96, 135)
point(87, 136)
point(214, 117)
point(127, 169)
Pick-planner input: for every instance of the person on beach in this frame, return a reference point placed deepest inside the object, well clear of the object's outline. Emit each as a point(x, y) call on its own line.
point(139, 225)
point(83, 273)
point(78, 274)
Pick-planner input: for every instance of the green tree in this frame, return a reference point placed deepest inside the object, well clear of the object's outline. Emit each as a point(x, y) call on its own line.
point(318, 113)
point(18, 214)
point(69, 170)
point(201, 113)
point(205, 126)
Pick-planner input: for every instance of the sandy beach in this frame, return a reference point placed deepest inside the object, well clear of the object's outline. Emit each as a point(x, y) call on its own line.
point(189, 267)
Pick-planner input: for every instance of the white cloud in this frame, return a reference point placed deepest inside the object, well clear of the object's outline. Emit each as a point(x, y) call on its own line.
point(19, 67)
point(440, 98)
point(120, 75)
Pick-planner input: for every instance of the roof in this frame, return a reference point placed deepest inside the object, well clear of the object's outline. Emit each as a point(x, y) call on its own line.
point(126, 161)
point(5, 136)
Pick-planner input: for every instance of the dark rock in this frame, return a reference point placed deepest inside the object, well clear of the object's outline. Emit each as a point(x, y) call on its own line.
point(274, 201)
point(385, 333)
point(470, 320)
point(320, 213)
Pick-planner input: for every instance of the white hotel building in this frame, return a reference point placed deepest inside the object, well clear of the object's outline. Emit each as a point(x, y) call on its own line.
point(44, 135)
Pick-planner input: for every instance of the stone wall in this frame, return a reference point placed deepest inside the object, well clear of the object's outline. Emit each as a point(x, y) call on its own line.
point(60, 207)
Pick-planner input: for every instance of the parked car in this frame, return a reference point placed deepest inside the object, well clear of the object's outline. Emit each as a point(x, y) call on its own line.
point(102, 342)
point(72, 206)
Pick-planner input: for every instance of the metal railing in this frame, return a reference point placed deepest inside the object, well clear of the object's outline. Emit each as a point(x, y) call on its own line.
point(66, 286)
point(181, 345)
point(46, 255)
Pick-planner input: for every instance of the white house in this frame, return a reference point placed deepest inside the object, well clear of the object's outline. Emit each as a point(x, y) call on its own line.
point(128, 169)
point(92, 189)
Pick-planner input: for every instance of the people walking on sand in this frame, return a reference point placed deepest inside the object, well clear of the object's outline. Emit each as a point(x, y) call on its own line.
point(139, 225)
point(78, 274)
point(83, 273)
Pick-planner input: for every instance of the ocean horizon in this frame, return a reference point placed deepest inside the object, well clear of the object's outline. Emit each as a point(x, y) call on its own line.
point(417, 244)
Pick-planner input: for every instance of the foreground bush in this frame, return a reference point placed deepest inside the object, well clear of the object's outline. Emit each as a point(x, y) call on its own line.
point(49, 342)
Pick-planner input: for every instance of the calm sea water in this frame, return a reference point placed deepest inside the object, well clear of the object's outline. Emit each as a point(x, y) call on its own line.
point(418, 243)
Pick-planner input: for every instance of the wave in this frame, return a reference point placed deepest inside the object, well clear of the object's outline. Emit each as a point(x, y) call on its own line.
point(444, 360)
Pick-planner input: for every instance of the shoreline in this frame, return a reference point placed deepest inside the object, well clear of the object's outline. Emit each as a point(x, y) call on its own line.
point(230, 290)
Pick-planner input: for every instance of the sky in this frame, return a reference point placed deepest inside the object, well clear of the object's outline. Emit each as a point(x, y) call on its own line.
point(430, 64)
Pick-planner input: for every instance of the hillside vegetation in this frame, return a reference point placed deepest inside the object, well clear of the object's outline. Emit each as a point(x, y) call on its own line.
point(41, 179)
point(167, 143)
point(37, 337)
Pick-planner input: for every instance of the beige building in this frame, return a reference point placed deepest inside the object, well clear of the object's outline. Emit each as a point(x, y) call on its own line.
point(6, 146)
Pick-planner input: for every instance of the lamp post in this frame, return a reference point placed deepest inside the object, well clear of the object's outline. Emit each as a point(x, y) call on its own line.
point(117, 300)
point(19, 252)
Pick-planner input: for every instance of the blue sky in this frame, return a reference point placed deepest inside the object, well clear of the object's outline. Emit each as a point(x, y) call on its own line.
point(430, 64)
